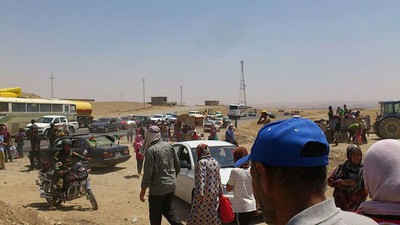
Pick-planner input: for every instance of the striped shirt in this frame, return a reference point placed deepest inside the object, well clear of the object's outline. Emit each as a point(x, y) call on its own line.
point(243, 200)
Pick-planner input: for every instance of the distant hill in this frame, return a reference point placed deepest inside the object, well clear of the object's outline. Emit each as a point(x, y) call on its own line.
point(30, 95)
point(319, 105)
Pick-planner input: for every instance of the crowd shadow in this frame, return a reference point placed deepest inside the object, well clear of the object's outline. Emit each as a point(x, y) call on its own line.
point(44, 206)
point(104, 170)
point(132, 176)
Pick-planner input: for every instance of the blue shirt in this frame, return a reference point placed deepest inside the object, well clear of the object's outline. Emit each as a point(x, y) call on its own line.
point(229, 135)
point(1, 141)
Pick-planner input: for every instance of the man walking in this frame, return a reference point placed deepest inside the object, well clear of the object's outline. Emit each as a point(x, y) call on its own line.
point(289, 171)
point(161, 167)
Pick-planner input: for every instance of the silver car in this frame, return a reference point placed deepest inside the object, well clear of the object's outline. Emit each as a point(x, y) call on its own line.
point(222, 151)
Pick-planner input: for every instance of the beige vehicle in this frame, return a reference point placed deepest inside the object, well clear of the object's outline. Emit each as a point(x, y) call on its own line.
point(195, 121)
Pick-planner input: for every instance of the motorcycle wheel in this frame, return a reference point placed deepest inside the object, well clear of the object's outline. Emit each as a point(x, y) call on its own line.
point(92, 199)
point(47, 189)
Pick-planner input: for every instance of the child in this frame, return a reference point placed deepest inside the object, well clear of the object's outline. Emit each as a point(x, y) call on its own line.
point(137, 145)
point(19, 139)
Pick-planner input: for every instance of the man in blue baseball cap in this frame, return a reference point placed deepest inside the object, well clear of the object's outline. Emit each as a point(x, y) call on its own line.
point(289, 171)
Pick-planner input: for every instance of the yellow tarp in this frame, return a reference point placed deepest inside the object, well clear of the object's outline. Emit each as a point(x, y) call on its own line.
point(10, 92)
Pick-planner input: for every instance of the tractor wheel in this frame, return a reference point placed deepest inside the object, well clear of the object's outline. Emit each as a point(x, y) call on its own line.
point(376, 128)
point(389, 128)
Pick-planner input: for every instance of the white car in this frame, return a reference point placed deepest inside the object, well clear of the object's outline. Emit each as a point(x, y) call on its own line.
point(209, 123)
point(157, 118)
point(222, 151)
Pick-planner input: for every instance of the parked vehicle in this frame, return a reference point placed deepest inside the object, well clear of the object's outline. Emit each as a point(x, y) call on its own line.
point(209, 123)
point(18, 112)
point(84, 113)
point(157, 118)
point(60, 123)
point(186, 151)
point(105, 124)
point(140, 119)
point(102, 149)
point(194, 112)
point(123, 122)
point(195, 121)
point(77, 183)
point(387, 123)
point(220, 121)
point(171, 117)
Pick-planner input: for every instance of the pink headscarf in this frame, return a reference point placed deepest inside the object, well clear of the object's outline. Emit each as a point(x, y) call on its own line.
point(382, 178)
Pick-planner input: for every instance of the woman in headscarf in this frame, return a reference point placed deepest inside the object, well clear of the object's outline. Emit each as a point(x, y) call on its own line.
point(207, 189)
point(348, 182)
point(382, 180)
point(244, 203)
point(137, 145)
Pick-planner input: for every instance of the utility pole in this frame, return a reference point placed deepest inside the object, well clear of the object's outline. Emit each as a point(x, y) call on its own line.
point(121, 96)
point(181, 95)
point(144, 98)
point(52, 90)
point(242, 97)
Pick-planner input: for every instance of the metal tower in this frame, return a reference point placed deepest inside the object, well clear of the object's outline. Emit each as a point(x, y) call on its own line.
point(242, 94)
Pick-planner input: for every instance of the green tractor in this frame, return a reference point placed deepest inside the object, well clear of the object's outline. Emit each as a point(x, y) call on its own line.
point(387, 124)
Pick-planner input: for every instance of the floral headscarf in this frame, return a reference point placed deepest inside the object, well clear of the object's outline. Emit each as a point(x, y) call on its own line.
point(202, 151)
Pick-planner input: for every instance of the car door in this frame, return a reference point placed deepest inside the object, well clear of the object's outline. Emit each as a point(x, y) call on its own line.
point(185, 178)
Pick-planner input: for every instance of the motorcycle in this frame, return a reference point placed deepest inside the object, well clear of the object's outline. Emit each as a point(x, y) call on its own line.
point(77, 184)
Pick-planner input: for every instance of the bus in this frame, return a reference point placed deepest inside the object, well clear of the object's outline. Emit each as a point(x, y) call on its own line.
point(16, 113)
point(238, 110)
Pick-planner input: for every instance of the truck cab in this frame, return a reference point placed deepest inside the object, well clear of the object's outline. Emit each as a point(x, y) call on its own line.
point(60, 122)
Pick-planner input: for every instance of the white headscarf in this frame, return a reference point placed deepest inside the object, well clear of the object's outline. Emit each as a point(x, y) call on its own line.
point(382, 178)
point(153, 134)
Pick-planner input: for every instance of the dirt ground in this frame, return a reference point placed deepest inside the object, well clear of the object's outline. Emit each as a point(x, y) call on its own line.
point(116, 189)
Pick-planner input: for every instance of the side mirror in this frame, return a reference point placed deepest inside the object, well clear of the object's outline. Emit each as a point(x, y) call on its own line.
point(85, 152)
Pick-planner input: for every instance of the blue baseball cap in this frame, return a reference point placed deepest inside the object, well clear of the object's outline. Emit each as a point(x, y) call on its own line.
point(295, 142)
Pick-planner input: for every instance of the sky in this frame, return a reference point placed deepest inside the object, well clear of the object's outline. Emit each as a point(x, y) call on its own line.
point(293, 51)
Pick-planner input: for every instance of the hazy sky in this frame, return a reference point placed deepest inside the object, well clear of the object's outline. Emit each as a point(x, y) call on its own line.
point(293, 51)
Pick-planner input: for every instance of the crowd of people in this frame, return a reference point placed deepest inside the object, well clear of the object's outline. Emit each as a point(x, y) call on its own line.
point(285, 177)
point(338, 124)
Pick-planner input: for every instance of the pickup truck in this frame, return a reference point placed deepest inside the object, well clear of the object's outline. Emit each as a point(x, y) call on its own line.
point(59, 122)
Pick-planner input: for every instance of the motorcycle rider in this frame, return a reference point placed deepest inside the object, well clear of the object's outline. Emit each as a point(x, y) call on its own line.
point(62, 161)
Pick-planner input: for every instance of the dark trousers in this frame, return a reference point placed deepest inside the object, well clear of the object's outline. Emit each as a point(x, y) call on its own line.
point(32, 155)
point(139, 163)
point(160, 205)
point(7, 153)
point(244, 218)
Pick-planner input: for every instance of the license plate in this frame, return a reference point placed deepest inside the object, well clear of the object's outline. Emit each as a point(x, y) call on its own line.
point(118, 154)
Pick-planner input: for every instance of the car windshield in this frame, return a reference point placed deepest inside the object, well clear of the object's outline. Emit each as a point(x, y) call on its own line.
point(125, 118)
point(102, 120)
point(99, 141)
point(223, 154)
point(157, 116)
point(44, 120)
